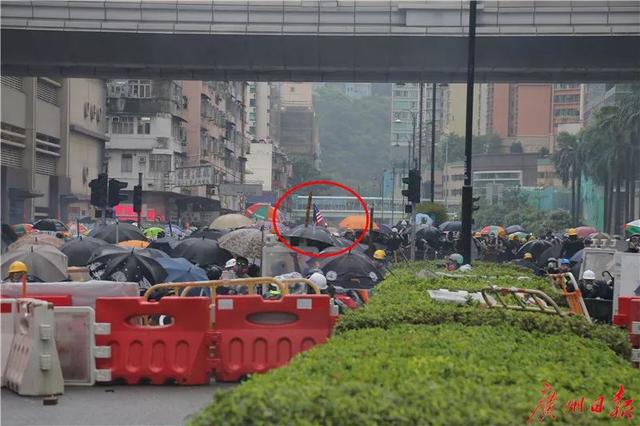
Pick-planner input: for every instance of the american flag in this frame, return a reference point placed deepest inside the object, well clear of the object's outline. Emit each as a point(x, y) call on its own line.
point(318, 219)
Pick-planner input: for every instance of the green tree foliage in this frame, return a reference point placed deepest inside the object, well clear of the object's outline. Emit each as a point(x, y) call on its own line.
point(516, 148)
point(451, 147)
point(515, 210)
point(611, 153)
point(435, 210)
point(354, 138)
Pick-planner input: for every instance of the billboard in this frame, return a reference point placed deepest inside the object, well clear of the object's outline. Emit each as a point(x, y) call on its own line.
point(194, 176)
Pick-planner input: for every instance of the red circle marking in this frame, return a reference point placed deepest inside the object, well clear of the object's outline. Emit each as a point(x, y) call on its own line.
point(358, 240)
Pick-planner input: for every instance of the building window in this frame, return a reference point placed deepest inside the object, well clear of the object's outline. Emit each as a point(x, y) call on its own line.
point(139, 88)
point(48, 91)
point(126, 164)
point(144, 128)
point(159, 163)
point(122, 125)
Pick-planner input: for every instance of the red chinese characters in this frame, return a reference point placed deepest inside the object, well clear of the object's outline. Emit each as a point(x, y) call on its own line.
point(544, 408)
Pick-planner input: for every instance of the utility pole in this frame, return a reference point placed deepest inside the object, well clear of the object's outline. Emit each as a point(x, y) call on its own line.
point(433, 141)
point(467, 189)
point(412, 154)
point(393, 193)
point(421, 119)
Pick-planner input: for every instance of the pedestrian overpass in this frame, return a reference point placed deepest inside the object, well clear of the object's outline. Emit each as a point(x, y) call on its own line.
point(335, 208)
point(321, 40)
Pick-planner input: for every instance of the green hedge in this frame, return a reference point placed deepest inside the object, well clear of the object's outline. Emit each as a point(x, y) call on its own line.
point(405, 359)
point(428, 375)
point(404, 299)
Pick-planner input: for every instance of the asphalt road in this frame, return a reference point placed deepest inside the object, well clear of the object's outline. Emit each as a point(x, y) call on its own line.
point(109, 405)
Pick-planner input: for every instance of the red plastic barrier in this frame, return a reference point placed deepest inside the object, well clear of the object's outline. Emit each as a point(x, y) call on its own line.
point(634, 314)
point(156, 354)
point(254, 335)
point(623, 317)
point(55, 299)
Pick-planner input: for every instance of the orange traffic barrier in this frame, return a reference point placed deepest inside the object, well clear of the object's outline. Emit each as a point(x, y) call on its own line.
point(254, 335)
point(156, 354)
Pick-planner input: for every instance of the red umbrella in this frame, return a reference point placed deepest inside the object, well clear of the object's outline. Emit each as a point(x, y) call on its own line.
point(261, 211)
point(585, 231)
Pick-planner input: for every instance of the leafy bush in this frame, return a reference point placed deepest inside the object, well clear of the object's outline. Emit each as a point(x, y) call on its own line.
point(403, 298)
point(436, 375)
point(405, 359)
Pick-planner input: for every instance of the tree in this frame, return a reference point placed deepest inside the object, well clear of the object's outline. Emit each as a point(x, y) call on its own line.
point(436, 210)
point(567, 163)
point(516, 148)
point(612, 155)
point(487, 144)
point(354, 138)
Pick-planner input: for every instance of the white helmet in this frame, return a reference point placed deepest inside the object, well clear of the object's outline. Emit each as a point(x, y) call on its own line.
point(231, 263)
point(394, 230)
point(589, 275)
point(319, 280)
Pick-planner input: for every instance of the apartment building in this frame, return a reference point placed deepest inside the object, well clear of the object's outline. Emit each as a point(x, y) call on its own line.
point(53, 136)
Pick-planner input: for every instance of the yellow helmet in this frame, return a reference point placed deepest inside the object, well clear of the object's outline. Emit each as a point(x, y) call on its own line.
point(379, 255)
point(477, 235)
point(513, 237)
point(571, 232)
point(528, 256)
point(17, 266)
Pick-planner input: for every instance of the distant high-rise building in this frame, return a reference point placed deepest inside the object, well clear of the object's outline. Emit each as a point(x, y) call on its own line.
point(519, 112)
point(405, 109)
point(298, 128)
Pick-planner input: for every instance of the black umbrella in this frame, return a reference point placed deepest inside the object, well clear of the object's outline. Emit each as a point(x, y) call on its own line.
point(50, 225)
point(514, 228)
point(345, 242)
point(165, 244)
point(452, 226)
point(351, 271)
point(210, 234)
point(130, 266)
point(79, 250)
point(315, 236)
point(202, 252)
point(553, 251)
point(110, 249)
point(431, 234)
point(535, 247)
point(124, 232)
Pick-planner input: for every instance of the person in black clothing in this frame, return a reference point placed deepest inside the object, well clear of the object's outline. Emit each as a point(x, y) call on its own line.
point(527, 262)
point(633, 244)
point(571, 245)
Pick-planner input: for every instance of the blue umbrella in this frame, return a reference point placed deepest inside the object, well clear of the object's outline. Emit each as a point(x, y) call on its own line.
point(173, 229)
point(180, 270)
point(577, 257)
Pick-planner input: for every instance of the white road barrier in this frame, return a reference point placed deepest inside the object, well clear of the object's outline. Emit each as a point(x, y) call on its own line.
point(7, 323)
point(76, 329)
point(33, 367)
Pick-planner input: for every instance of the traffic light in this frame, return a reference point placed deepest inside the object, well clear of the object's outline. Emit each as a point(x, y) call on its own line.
point(474, 207)
point(137, 198)
point(114, 192)
point(99, 190)
point(413, 186)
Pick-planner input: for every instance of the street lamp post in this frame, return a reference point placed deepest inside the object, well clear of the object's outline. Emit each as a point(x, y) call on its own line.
point(467, 189)
point(433, 141)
